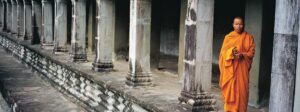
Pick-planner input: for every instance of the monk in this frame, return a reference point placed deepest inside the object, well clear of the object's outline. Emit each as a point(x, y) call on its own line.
point(235, 62)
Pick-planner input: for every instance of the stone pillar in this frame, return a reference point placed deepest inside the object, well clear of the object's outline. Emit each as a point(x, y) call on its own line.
point(60, 26)
point(37, 21)
point(297, 86)
point(47, 24)
point(8, 16)
point(198, 56)
point(253, 21)
point(28, 20)
point(105, 35)
point(78, 36)
point(284, 56)
point(91, 29)
point(139, 43)
point(183, 11)
point(1, 15)
point(14, 20)
point(4, 15)
point(21, 19)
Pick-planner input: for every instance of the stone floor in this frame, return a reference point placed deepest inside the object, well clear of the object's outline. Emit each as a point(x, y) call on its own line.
point(163, 94)
point(27, 91)
point(3, 105)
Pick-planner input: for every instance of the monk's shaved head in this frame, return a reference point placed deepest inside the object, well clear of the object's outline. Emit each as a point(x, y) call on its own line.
point(239, 18)
point(238, 24)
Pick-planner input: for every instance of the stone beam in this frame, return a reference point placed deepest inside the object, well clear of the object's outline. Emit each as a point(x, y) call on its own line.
point(284, 56)
point(139, 43)
point(105, 35)
point(78, 37)
point(198, 56)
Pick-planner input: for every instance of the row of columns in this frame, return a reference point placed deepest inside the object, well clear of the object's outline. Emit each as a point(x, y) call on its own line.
point(37, 24)
point(36, 21)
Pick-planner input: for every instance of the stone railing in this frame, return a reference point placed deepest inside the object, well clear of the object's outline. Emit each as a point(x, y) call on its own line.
point(81, 90)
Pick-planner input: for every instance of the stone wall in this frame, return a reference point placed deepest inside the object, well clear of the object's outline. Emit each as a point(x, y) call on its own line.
point(71, 82)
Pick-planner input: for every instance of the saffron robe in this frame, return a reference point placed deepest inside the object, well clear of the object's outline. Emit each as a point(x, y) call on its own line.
point(234, 72)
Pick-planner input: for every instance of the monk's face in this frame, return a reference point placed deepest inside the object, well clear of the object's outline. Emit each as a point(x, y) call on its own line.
point(238, 25)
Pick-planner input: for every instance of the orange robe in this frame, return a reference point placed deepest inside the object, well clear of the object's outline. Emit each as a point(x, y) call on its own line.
point(234, 72)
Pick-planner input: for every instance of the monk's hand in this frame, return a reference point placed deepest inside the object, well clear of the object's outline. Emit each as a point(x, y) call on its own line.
point(235, 52)
point(237, 55)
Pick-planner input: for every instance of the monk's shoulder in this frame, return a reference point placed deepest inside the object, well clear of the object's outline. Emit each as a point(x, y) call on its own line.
point(249, 36)
point(227, 37)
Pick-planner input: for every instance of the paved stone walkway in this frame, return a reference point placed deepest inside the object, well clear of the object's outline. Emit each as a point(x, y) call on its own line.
point(27, 91)
point(3, 105)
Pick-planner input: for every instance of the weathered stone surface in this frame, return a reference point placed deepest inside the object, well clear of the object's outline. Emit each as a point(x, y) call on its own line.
point(4, 107)
point(297, 85)
point(139, 43)
point(21, 19)
point(60, 26)
point(105, 35)
point(14, 27)
point(198, 56)
point(28, 20)
point(84, 91)
point(47, 25)
point(1, 15)
point(181, 49)
point(283, 72)
point(284, 56)
point(9, 15)
point(36, 21)
point(253, 22)
point(26, 92)
point(78, 37)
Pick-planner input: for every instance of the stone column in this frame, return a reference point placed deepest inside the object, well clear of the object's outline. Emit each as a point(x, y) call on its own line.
point(105, 35)
point(297, 86)
point(47, 24)
point(1, 15)
point(139, 43)
point(37, 21)
point(60, 26)
point(198, 56)
point(91, 29)
point(14, 20)
point(28, 20)
point(8, 16)
point(183, 8)
point(78, 36)
point(4, 15)
point(253, 21)
point(21, 19)
point(284, 56)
